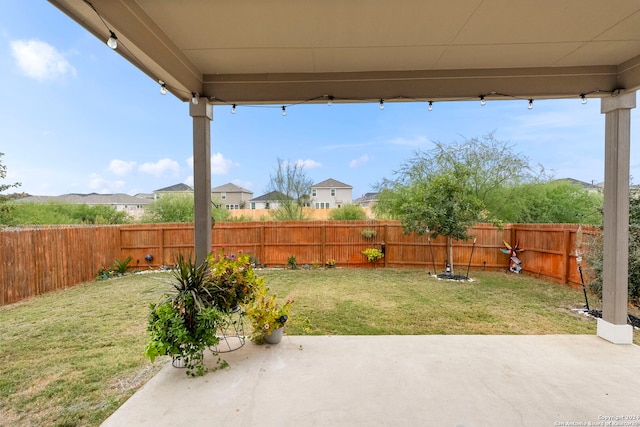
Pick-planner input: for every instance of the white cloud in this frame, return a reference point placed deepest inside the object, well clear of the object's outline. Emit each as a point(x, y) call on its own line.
point(359, 161)
point(220, 165)
point(307, 164)
point(40, 60)
point(189, 181)
point(417, 141)
point(120, 167)
point(103, 186)
point(244, 184)
point(160, 167)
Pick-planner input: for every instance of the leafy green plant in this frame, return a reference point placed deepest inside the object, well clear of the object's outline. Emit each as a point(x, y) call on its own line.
point(372, 254)
point(368, 233)
point(594, 256)
point(185, 322)
point(231, 280)
point(266, 315)
point(292, 263)
point(330, 263)
point(121, 267)
point(348, 213)
point(104, 273)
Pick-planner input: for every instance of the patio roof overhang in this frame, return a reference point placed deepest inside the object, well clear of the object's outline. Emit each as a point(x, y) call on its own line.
point(290, 51)
point(297, 51)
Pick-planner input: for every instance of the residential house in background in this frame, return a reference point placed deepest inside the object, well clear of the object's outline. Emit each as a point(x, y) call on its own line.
point(132, 205)
point(231, 196)
point(270, 200)
point(330, 194)
point(173, 190)
point(367, 200)
point(590, 187)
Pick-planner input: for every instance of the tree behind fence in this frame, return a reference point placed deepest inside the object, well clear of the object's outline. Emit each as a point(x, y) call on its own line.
point(44, 259)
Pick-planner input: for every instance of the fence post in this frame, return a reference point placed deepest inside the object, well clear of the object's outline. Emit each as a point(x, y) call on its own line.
point(323, 243)
point(262, 231)
point(384, 241)
point(566, 251)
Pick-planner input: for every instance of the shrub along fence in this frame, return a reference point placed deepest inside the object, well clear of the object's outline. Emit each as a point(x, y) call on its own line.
point(43, 259)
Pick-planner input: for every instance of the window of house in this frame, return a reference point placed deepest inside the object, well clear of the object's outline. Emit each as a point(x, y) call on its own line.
point(333, 192)
point(266, 205)
point(253, 205)
point(313, 192)
point(223, 196)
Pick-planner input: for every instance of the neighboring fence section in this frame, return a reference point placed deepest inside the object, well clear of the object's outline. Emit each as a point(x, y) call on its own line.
point(39, 260)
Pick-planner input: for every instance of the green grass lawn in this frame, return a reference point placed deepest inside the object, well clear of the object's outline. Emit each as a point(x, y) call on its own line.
point(71, 358)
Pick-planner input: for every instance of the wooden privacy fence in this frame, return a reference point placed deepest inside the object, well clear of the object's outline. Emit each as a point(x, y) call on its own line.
point(39, 260)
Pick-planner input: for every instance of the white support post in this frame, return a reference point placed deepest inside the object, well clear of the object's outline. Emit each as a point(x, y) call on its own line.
point(615, 278)
point(202, 114)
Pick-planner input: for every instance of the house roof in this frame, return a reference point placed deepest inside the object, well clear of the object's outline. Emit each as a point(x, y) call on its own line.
point(331, 183)
point(576, 182)
point(176, 187)
point(367, 197)
point(290, 51)
point(230, 188)
point(89, 199)
point(272, 196)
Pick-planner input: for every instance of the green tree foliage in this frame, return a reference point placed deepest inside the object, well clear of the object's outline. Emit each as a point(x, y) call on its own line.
point(348, 213)
point(179, 208)
point(445, 191)
point(558, 201)
point(170, 208)
point(55, 213)
point(5, 207)
point(291, 183)
point(594, 255)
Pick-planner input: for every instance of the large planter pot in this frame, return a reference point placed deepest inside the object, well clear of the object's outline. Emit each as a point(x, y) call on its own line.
point(275, 337)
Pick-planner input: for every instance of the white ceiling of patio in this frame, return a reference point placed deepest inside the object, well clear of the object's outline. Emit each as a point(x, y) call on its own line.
point(288, 51)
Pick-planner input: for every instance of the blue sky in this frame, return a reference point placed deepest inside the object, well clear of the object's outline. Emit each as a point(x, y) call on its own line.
point(77, 118)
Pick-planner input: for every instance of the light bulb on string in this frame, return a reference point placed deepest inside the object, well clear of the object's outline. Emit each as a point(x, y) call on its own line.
point(284, 111)
point(430, 107)
point(195, 98)
point(530, 107)
point(583, 99)
point(113, 40)
point(330, 101)
point(483, 101)
point(163, 87)
point(382, 104)
point(233, 109)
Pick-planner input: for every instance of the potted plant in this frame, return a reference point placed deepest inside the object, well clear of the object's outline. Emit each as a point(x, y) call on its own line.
point(368, 233)
point(268, 317)
point(231, 280)
point(372, 254)
point(184, 323)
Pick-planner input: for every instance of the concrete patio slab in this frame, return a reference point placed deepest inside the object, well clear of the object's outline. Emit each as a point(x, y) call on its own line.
point(453, 380)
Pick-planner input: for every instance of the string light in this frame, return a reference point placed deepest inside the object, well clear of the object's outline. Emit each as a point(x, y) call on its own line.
point(163, 87)
point(330, 99)
point(113, 40)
